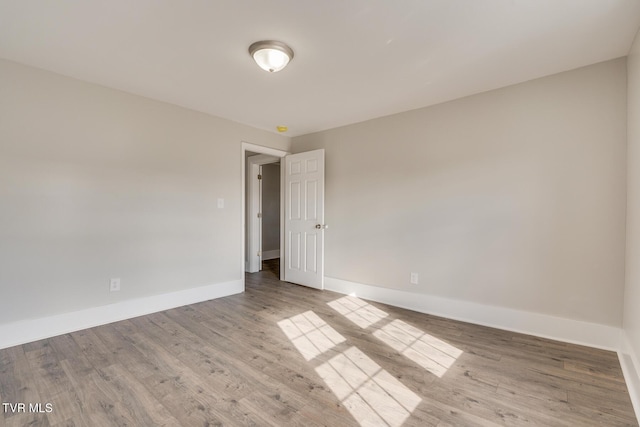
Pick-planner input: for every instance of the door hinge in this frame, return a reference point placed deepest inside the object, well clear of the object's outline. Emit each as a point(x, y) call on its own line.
point(259, 253)
point(259, 176)
point(259, 215)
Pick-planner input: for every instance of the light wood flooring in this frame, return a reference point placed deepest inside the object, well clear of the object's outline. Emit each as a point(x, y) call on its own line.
point(283, 355)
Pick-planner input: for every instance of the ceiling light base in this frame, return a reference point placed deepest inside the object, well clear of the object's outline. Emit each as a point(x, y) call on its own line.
point(271, 55)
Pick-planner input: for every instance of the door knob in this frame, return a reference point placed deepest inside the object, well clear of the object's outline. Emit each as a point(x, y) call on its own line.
point(322, 226)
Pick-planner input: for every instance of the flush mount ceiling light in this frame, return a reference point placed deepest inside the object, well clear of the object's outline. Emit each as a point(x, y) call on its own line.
point(271, 55)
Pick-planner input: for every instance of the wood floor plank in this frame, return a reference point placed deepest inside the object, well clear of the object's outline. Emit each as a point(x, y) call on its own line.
point(77, 401)
point(22, 386)
point(92, 348)
point(385, 356)
point(235, 358)
point(201, 387)
point(65, 405)
point(88, 400)
point(66, 348)
point(281, 354)
point(47, 372)
point(8, 385)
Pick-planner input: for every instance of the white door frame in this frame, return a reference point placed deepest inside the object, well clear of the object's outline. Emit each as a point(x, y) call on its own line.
point(254, 226)
point(247, 146)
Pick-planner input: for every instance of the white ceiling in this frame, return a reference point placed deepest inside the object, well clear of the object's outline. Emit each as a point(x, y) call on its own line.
point(354, 59)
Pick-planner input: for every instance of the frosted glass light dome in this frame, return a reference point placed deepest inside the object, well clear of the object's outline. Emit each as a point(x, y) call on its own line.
point(271, 55)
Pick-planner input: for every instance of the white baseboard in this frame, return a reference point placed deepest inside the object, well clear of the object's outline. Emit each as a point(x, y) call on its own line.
point(271, 254)
point(631, 370)
point(541, 325)
point(25, 331)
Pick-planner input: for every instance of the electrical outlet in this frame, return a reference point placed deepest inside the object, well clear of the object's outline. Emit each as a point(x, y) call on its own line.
point(414, 278)
point(114, 285)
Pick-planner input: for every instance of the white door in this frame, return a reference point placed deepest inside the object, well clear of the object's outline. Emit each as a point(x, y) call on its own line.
point(304, 219)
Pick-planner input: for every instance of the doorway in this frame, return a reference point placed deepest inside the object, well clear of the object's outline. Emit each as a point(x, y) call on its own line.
point(301, 213)
point(254, 157)
point(263, 217)
point(270, 249)
point(270, 209)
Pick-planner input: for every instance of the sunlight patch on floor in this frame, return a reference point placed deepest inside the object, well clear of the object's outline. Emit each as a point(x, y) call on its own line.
point(433, 354)
point(358, 311)
point(372, 395)
point(311, 335)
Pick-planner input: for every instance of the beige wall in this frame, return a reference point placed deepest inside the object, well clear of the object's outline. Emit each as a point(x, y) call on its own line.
point(96, 183)
point(513, 198)
point(632, 291)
